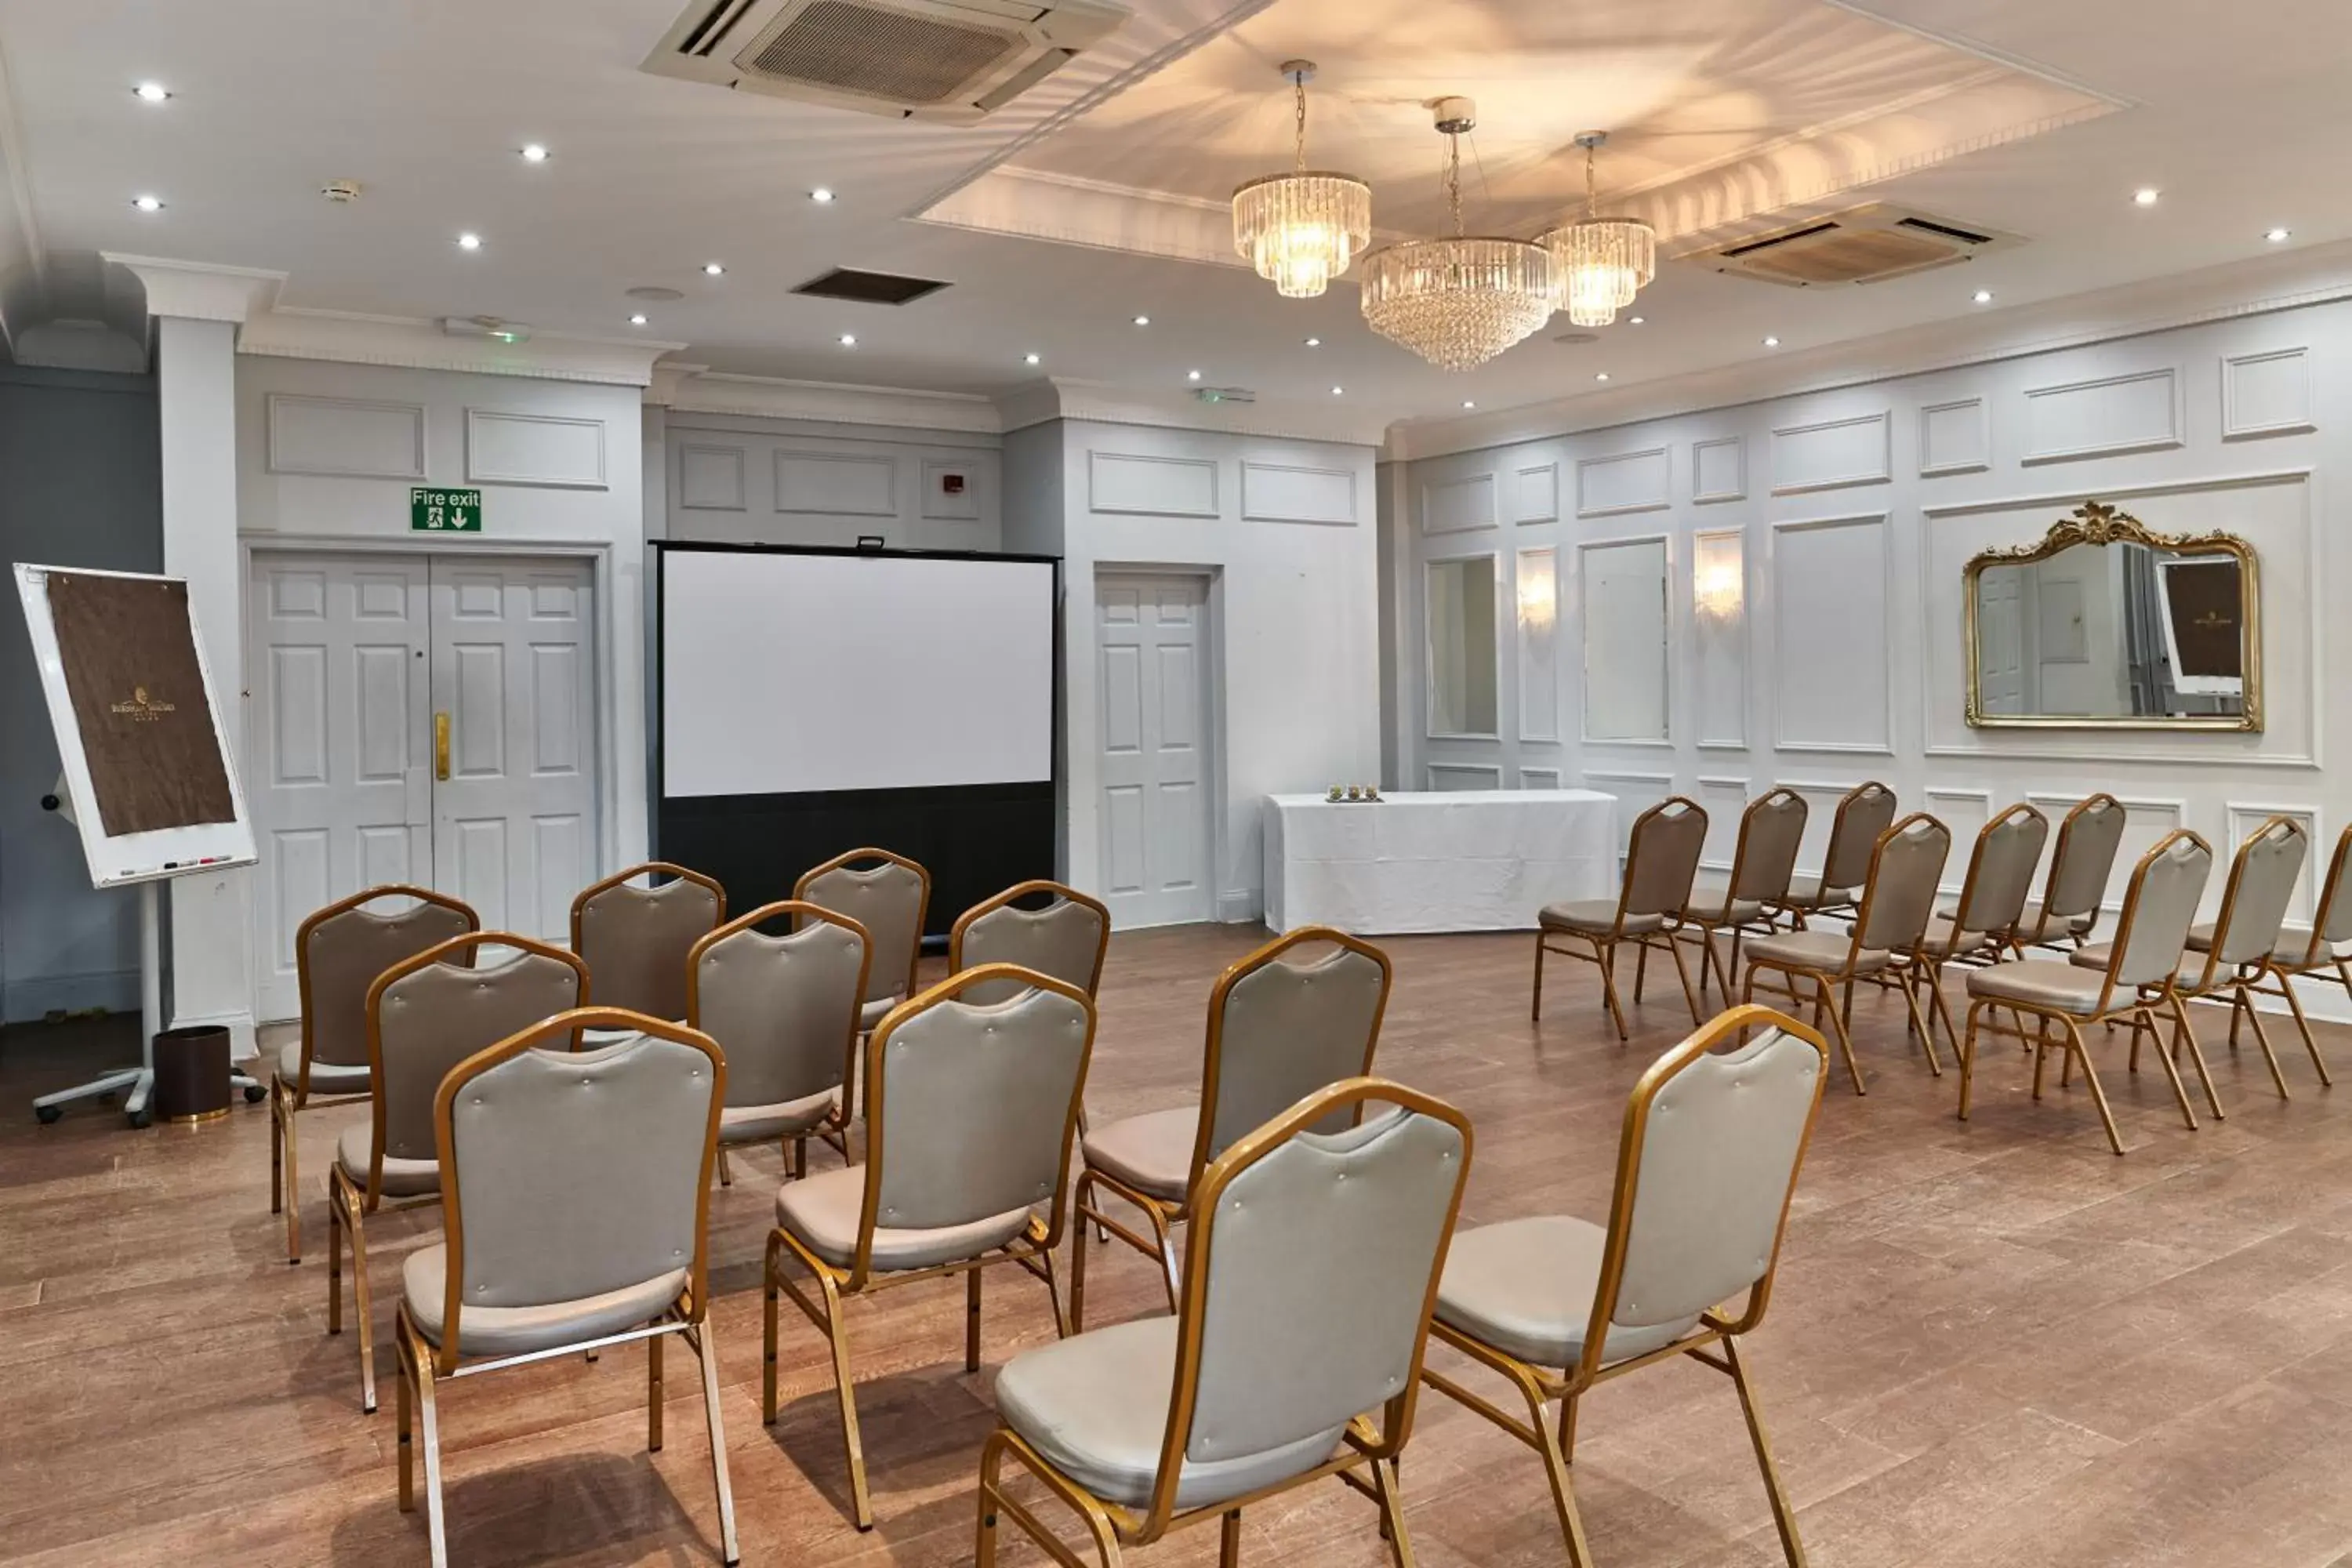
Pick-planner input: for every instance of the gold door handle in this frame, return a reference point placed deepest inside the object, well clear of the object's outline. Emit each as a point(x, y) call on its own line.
point(441, 747)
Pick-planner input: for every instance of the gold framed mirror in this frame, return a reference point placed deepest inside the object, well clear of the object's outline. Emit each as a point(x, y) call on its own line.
point(2104, 624)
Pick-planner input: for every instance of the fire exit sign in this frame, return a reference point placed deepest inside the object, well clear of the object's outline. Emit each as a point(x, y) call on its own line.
point(444, 511)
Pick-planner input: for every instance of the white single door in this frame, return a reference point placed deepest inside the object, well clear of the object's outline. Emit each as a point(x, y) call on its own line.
point(2000, 643)
point(336, 721)
point(1152, 671)
point(514, 820)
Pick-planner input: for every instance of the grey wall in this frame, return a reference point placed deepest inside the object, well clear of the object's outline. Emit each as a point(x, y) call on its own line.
point(81, 485)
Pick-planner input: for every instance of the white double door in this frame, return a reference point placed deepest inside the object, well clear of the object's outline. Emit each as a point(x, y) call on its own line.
point(1156, 732)
point(418, 719)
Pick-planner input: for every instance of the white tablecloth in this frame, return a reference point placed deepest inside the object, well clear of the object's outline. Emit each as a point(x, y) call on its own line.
point(1464, 860)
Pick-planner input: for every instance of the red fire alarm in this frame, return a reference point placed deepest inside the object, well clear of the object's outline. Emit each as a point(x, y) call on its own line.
point(951, 484)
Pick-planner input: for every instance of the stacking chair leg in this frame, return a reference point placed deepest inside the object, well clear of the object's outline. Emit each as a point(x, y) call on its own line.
point(345, 1218)
point(1387, 1485)
point(417, 1374)
point(654, 1395)
point(2303, 1025)
point(726, 1171)
point(1229, 1536)
point(1535, 1012)
point(1904, 981)
point(1828, 1001)
point(2075, 1048)
point(2196, 1058)
point(1784, 1516)
point(1969, 1056)
point(828, 1321)
point(2245, 1004)
point(972, 1322)
point(1674, 951)
point(282, 1157)
point(1641, 969)
point(698, 1341)
point(1607, 953)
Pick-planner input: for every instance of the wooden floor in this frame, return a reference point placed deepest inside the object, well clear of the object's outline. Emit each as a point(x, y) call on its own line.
point(1993, 1344)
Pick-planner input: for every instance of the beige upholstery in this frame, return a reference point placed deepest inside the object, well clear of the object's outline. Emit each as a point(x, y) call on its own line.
point(1943, 940)
point(431, 1018)
point(2262, 883)
point(2000, 877)
point(2042, 983)
point(1288, 1030)
point(1866, 812)
point(824, 1210)
point(1662, 859)
point(2291, 951)
point(326, 1077)
point(887, 898)
point(785, 1118)
point(1152, 1152)
point(341, 955)
point(402, 1178)
point(1596, 917)
point(871, 1013)
point(2035, 923)
point(2097, 956)
point(1063, 940)
point(2171, 885)
point(519, 1331)
point(1526, 1286)
point(1821, 949)
point(1711, 904)
point(785, 1009)
point(1770, 830)
point(1808, 893)
point(635, 941)
point(1900, 896)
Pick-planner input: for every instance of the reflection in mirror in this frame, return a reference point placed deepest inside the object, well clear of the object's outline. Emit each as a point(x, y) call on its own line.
point(2105, 623)
point(1461, 645)
point(1625, 627)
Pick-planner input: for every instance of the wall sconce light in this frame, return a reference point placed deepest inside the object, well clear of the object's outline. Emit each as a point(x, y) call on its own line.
point(1717, 587)
point(1539, 600)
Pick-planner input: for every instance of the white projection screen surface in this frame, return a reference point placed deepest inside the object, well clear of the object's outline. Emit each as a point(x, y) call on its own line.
point(786, 673)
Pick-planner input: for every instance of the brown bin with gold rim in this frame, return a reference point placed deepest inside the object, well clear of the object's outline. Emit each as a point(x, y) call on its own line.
point(192, 1073)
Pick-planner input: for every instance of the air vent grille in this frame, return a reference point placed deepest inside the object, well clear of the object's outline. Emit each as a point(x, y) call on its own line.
point(877, 51)
point(1865, 245)
point(1855, 255)
point(869, 288)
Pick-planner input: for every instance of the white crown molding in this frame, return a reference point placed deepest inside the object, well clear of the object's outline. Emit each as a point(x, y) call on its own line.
point(200, 290)
point(412, 342)
point(697, 389)
point(2264, 285)
point(1060, 398)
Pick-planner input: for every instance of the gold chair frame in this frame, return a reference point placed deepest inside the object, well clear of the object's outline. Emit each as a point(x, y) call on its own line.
point(422, 1365)
point(1113, 1527)
point(2319, 958)
point(1765, 923)
point(1837, 827)
point(2138, 1011)
point(348, 1204)
point(1540, 1386)
point(1033, 1250)
point(1604, 947)
point(1163, 1215)
point(287, 1101)
point(922, 904)
point(2049, 884)
point(2238, 979)
point(1024, 889)
point(1928, 971)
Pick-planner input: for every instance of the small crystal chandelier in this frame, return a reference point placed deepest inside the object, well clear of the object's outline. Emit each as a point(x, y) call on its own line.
point(1458, 303)
point(1602, 262)
point(1301, 229)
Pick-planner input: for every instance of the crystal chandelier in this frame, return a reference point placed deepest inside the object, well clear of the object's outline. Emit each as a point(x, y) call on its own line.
point(1602, 262)
point(1301, 229)
point(1458, 303)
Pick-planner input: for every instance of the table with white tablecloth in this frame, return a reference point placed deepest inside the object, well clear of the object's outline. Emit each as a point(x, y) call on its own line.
point(1436, 861)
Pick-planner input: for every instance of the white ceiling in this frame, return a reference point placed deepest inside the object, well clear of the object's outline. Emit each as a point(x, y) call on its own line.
point(1726, 108)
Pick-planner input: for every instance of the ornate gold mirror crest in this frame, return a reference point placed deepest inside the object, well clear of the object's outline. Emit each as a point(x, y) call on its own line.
point(2104, 624)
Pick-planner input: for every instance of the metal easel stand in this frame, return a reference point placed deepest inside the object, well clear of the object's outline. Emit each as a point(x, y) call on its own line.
point(137, 1084)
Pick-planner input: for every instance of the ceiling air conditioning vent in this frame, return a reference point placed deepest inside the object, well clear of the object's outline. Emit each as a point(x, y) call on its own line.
point(955, 61)
point(1867, 245)
point(869, 288)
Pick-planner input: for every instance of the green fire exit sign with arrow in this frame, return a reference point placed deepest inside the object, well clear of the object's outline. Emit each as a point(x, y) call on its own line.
point(444, 511)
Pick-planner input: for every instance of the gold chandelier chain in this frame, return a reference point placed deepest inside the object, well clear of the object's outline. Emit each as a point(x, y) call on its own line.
point(1592, 192)
point(1299, 85)
point(1453, 180)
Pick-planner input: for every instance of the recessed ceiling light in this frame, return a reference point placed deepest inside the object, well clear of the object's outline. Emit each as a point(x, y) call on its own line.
point(1984, 296)
point(533, 152)
point(1031, 359)
point(712, 269)
point(638, 320)
point(469, 241)
point(2279, 236)
point(1467, 403)
point(1315, 342)
point(1192, 375)
point(148, 203)
point(152, 92)
point(1636, 321)
point(2147, 196)
point(822, 194)
point(849, 340)
point(1600, 375)
point(1338, 390)
point(1772, 343)
point(1143, 320)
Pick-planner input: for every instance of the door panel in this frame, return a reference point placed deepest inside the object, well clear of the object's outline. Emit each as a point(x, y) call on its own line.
point(1151, 672)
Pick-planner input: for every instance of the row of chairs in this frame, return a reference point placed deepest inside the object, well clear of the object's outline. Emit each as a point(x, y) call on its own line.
point(1884, 875)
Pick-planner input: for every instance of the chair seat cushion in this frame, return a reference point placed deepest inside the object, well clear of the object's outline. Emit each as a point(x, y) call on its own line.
point(1807, 893)
point(2293, 950)
point(1942, 942)
point(2034, 925)
point(1151, 1153)
point(1711, 904)
point(1596, 917)
point(786, 1119)
point(326, 1077)
point(1823, 950)
point(1096, 1406)
point(1526, 1288)
point(874, 1012)
point(2039, 981)
point(518, 1330)
point(402, 1178)
point(2098, 954)
point(822, 1211)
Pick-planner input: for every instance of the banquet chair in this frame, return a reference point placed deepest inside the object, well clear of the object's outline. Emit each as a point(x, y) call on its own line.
point(2306, 950)
point(971, 1111)
point(425, 1016)
point(1066, 937)
point(2239, 944)
point(576, 1189)
point(1898, 893)
point(635, 939)
point(1660, 864)
point(887, 894)
point(1309, 1279)
point(784, 1010)
point(1279, 1030)
point(2142, 974)
point(1982, 928)
point(1763, 864)
point(2089, 837)
point(339, 951)
point(1863, 813)
point(1714, 1135)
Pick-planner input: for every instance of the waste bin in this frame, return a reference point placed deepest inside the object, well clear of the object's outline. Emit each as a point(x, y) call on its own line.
point(192, 1074)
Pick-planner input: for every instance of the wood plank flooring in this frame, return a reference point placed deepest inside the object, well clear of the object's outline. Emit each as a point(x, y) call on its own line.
point(1992, 1344)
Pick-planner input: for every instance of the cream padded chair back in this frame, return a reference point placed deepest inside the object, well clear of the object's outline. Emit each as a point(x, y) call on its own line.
point(636, 939)
point(784, 1008)
point(2087, 846)
point(975, 1105)
point(1063, 940)
point(888, 898)
point(2336, 898)
point(340, 950)
point(1662, 857)
point(444, 1006)
point(578, 1174)
point(1316, 1271)
point(1904, 872)
point(1866, 812)
point(2161, 906)
point(1716, 1156)
point(1285, 1029)
point(2000, 870)
point(1769, 833)
point(2262, 883)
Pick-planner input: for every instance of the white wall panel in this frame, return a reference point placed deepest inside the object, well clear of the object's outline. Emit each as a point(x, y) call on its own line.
point(1454, 506)
point(504, 446)
point(709, 476)
point(1829, 454)
point(346, 437)
point(1955, 437)
point(1719, 470)
point(1831, 663)
point(1466, 776)
point(1624, 482)
point(2104, 416)
point(837, 484)
point(2266, 395)
point(1125, 482)
point(1532, 777)
point(1724, 798)
point(1535, 493)
point(1289, 492)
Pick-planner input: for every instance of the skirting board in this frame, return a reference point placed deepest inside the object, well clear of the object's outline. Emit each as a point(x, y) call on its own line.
point(30, 1000)
point(1241, 906)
